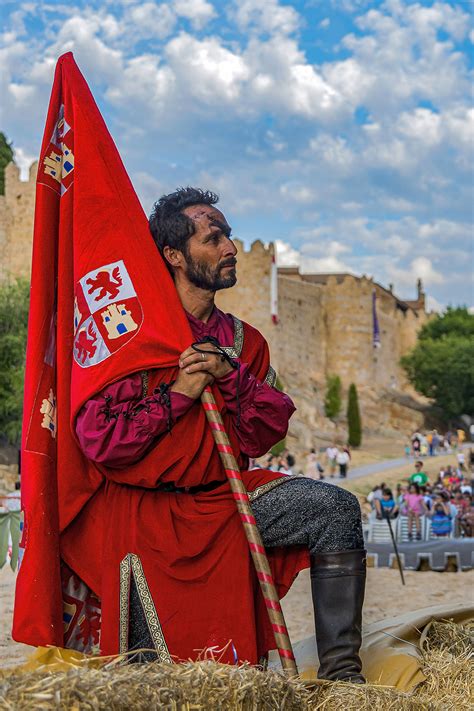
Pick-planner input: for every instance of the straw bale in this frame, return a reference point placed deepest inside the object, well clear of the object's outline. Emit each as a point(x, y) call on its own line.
point(198, 686)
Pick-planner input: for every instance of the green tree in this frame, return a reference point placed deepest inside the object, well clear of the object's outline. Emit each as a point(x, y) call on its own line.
point(353, 418)
point(13, 327)
point(441, 366)
point(6, 157)
point(333, 400)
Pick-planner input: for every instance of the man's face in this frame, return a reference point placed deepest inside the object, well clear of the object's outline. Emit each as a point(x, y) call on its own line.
point(210, 252)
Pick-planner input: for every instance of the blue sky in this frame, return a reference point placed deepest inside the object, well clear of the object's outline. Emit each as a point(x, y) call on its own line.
point(340, 129)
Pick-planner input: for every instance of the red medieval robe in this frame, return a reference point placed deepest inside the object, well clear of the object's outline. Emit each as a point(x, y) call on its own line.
point(187, 553)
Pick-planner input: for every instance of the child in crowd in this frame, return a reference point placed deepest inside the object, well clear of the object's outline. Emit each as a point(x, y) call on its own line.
point(415, 508)
point(441, 519)
point(386, 507)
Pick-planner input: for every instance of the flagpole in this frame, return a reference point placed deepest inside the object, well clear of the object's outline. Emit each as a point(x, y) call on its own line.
point(252, 533)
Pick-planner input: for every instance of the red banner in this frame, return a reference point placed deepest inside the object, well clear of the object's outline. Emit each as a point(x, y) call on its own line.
point(101, 299)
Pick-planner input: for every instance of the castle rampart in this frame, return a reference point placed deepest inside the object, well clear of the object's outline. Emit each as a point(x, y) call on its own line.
point(325, 327)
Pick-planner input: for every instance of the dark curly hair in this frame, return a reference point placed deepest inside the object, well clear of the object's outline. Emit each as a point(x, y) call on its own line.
point(168, 225)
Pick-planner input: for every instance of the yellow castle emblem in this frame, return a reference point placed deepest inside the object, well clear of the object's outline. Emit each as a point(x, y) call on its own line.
point(118, 321)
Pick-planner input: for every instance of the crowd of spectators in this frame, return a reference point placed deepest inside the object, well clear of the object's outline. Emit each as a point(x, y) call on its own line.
point(448, 502)
point(432, 443)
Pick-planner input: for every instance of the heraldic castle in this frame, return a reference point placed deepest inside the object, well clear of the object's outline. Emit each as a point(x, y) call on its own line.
point(324, 328)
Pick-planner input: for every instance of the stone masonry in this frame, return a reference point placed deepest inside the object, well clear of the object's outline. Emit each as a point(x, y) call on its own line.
point(325, 328)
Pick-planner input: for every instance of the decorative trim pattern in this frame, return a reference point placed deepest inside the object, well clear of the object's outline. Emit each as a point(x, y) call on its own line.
point(124, 603)
point(271, 376)
point(131, 564)
point(144, 376)
point(265, 488)
point(235, 350)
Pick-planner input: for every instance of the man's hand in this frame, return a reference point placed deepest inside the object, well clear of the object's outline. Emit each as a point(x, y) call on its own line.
point(190, 361)
point(191, 384)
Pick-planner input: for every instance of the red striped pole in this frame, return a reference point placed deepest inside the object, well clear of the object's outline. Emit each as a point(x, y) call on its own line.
point(252, 533)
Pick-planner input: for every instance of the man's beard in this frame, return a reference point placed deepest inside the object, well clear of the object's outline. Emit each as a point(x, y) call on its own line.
point(204, 277)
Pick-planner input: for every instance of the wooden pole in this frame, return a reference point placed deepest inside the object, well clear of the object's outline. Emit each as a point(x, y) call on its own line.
point(252, 533)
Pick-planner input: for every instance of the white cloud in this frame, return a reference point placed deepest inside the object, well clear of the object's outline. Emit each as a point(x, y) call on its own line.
point(433, 304)
point(199, 12)
point(418, 268)
point(297, 192)
point(151, 20)
point(334, 151)
point(266, 16)
point(421, 125)
point(23, 161)
point(206, 69)
point(286, 255)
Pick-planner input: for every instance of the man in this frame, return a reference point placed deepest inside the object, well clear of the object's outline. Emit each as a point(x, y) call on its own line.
point(419, 476)
point(331, 456)
point(172, 522)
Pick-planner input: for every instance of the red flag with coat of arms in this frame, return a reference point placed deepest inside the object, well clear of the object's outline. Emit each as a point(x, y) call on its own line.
point(96, 274)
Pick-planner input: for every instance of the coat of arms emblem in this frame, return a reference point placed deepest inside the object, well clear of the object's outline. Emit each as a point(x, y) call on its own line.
point(107, 313)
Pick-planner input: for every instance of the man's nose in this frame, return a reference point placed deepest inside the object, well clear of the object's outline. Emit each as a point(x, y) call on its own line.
point(230, 250)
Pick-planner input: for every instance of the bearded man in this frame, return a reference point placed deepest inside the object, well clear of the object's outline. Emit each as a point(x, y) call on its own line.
point(176, 574)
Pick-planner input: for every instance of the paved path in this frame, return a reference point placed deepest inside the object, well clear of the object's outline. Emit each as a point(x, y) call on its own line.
point(376, 467)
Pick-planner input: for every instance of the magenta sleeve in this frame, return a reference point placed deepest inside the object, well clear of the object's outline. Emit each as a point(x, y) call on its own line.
point(117, 427)
point(264, 411)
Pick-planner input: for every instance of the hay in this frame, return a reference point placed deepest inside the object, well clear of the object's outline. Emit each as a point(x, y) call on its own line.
point(199, 686)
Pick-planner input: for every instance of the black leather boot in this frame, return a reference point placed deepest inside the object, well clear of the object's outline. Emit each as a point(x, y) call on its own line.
point(338, 585)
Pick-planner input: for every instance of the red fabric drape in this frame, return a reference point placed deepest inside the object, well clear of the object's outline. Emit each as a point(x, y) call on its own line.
point(93, 258)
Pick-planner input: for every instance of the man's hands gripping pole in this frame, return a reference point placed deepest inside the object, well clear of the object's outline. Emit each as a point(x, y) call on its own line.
point(199, 366)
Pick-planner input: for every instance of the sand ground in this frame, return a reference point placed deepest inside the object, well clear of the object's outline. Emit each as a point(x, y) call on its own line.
point(385, 597)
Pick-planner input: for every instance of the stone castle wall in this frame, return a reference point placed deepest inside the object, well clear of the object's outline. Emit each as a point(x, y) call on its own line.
point(16, 222)
point(325, 327)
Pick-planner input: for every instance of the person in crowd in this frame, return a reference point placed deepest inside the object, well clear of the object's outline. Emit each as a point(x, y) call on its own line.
point(415, 444)
point(455, 478)
point(415, 508)
point(407, 450)
point(331, 454)
point(342, 460)
point(285, 465)
point(402, 490)
point(466, 488)
point(470, 459)
point(314, 468)
point(419, 476)
point(311, 468)
point(272, 463)
point(461, 457)
point(441, 519)
point(386, 506)
point(466, 521)
point(426, 493)
point(375, 494)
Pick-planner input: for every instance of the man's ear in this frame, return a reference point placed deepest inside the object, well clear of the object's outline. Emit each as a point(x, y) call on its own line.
point(173, 256)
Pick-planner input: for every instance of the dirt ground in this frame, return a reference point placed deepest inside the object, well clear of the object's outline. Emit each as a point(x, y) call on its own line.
point(385, 597)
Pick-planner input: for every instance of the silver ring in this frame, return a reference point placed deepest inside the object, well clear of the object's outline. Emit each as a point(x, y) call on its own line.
point(203, 357)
